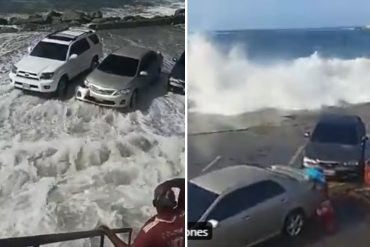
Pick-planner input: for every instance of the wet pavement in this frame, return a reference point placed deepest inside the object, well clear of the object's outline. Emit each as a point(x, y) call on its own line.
point(269, 138)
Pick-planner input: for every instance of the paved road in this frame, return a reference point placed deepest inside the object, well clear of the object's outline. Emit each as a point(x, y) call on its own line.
point(272, 139)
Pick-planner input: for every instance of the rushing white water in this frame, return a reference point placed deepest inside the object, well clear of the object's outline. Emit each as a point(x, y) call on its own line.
point(145, 11)
point(69, 165)
point(229, 83)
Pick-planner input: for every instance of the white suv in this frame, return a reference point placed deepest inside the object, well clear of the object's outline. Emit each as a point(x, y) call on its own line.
point(56, 59)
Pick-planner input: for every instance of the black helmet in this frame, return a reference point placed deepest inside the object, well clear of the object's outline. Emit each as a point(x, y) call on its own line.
point(164, 197)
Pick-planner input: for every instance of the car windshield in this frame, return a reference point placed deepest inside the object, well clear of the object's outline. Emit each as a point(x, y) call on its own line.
point(335, 133)
point(50, 50)
point(118, 65)
point(199, 201)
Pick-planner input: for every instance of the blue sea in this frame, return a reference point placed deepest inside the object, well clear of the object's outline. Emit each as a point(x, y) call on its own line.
point(344, 43)
point(233, 72)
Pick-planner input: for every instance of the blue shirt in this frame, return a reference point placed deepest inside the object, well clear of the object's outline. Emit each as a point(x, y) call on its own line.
point(316, 174)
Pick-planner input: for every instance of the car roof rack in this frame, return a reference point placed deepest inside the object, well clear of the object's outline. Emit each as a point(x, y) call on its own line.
point(82, 29)
point(57, 31)
point(54, 35)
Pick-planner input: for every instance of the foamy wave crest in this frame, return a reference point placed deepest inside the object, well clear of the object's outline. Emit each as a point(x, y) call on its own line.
point(230, 83)
point(167, 8)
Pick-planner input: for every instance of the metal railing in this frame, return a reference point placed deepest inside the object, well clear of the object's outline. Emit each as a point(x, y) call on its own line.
point(37, 241)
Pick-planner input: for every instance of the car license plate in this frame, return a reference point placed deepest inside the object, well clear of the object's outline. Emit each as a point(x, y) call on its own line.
point(26, 86)
point(329, 172)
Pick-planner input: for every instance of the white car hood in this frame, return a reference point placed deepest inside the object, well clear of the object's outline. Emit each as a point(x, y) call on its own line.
point(38, 65)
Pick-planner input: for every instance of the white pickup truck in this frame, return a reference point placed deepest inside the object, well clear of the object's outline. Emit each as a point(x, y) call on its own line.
point(56, 59)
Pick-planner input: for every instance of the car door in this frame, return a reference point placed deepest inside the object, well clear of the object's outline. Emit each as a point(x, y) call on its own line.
point(251, 214)
point(228, 213)
point(268, 210)
point(83, 60)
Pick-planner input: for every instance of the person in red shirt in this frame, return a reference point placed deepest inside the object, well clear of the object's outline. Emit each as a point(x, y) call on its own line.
point(167, 228)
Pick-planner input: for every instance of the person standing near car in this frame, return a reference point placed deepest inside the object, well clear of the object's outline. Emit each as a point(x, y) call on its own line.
point(167, 228)
point(317, 176)
point(325, 213)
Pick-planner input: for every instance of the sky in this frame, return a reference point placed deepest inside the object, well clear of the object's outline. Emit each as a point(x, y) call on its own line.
point(207, 15)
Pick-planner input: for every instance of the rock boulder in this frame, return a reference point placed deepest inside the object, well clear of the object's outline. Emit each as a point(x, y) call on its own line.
point(3, 21)
point(53, 16)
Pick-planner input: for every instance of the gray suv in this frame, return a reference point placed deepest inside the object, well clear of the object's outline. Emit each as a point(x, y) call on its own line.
point(121, 76)
point(337, 145)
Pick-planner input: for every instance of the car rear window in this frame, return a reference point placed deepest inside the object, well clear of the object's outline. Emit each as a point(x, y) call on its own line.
point(119, 65)
point(340, 133)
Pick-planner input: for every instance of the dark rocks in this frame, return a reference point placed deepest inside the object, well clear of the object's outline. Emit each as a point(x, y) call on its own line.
point(95, 14)
point(139, 21)
point(135, 21)
point(95, 18)
point(3, 21)
point(30, 27)
point(36, 19)
point(53, 17)
point(55, 20)
point(72, 15)
point(104, 20)
point(5, 29)
point(133, 18)
point(17, 21)
point(99, 20)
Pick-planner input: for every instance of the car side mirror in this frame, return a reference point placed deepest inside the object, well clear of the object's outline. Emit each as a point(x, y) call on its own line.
point(143, 73)
point(213, 223)
point(307, 134)
point(73, 56)
point(29, 49)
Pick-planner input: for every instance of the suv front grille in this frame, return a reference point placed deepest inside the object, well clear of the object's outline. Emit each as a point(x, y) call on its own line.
point(328, 165)
point(101, 91)
point(28, 75)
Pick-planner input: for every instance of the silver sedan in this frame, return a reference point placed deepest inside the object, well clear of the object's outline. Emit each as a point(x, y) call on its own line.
point(247, 205)
point(121, 77)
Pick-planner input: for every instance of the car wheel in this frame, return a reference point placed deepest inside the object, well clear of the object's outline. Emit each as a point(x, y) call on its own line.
point(294, 224)
point(94, 63)
point(133, 100)
point(62, 87)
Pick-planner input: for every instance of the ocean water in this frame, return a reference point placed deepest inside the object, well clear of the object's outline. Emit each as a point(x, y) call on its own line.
point(233, 72)
point(145, 8)
point(267, 45)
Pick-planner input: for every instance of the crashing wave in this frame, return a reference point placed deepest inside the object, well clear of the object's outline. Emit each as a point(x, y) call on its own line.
point(231, 83)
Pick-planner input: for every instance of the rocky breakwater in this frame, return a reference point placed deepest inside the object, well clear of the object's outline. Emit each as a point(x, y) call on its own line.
point(95, 20)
